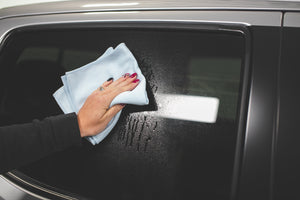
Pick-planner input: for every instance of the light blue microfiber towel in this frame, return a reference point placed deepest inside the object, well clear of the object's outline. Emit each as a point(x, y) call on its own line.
point(80, 83)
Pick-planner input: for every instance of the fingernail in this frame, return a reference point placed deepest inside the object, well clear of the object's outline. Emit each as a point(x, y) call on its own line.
point(122, 104)
point(133, 75)
point(110, 79)
point(125, 75)
point(136, 80)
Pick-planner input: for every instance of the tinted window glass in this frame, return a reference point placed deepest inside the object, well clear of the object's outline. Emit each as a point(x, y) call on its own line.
point(166, 150)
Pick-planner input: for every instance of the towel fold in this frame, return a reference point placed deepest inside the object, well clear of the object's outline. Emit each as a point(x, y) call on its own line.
point(78, 84)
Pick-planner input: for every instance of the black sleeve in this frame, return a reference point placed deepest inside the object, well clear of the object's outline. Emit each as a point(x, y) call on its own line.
point(25, 143)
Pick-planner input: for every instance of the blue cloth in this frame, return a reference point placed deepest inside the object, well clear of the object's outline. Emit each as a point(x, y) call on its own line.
point(80, 83)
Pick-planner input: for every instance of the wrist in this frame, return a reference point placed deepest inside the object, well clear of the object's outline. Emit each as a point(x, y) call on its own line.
point(80, 125)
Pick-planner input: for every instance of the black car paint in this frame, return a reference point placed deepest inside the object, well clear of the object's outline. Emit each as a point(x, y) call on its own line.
point(287, 151)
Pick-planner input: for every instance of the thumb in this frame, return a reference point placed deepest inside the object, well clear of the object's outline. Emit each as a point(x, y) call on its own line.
point(111, 112)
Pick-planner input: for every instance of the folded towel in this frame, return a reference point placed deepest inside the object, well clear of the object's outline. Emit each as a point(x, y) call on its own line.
point(80, 83)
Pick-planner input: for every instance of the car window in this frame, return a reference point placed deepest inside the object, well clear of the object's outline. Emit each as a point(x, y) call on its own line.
point(39, 53)
point(180, 146)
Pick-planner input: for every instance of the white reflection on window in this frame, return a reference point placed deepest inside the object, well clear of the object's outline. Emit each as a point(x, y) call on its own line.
point(110, 4)
point(187, 107)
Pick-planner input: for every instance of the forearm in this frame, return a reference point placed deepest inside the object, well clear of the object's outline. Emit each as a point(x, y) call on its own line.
point(25, 143)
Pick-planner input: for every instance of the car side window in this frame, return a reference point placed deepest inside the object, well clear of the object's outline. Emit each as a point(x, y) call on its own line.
point(180, 146)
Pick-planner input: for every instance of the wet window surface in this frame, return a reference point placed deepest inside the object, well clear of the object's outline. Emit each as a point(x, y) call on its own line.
point(179, 146)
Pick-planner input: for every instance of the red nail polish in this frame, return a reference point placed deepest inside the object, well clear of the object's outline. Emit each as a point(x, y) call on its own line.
point(133, 75)
point(125, 75)
point(136, 80)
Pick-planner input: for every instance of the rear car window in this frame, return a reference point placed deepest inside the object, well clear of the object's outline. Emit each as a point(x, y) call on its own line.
point(168, 149)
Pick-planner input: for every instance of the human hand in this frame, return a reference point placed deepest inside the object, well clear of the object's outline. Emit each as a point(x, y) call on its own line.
point(95, 113)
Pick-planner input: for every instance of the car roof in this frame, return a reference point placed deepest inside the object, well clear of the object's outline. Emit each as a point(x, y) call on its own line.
point(38, 7)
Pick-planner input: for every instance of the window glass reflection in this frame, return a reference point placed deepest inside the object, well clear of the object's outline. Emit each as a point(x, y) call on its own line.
point(218, 77)
point(187, 107)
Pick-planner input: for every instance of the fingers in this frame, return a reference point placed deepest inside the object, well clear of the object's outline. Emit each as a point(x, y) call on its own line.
point(108, 82)
point(122, 79)
point(110, 89)
point(128, 82)
point(125, 83)
point(125, 79)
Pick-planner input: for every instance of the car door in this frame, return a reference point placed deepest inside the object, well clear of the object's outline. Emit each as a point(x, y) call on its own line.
point(165, 150)
point(286, 173)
